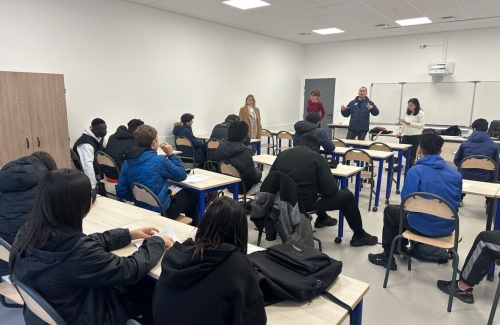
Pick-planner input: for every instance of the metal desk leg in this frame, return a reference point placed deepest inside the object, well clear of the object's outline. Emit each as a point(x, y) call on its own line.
point(358, 187)
point(389, 180)
point(400, 167)
point(201, 205)
point(235, 192)
point(407, 160)
point(379, 183)
point(259, 144)
point(340, 232)
point(357, 313)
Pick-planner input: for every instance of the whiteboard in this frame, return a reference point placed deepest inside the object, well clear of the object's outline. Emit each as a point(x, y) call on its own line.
point(387, 97)
point(485, 104)
point(443, 103)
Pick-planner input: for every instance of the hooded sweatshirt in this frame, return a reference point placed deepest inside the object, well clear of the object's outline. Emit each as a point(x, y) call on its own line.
point(118, 145)
point(238, 155)
point(478, 143)
point(303, 127)
point(432, 174)
point(85, 147)
point(76, 273)
point(360, 114)
point(221, 288)
point(184, 130)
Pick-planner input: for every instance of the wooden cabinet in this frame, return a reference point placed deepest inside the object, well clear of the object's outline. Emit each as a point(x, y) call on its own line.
point(33, 116)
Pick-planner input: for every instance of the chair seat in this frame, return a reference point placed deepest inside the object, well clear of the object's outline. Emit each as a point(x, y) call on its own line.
point(283, 148)
point(184, 219)
point(366, 174)
point(267, 145)
point(107, 182)
point(8, 291)
point(442, 242)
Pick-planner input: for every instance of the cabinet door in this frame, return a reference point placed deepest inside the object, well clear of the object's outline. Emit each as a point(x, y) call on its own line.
point(15, 125)
point(49, 121)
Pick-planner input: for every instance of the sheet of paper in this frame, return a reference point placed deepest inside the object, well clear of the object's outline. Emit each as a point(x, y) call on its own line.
point(401, 120)
point(465, 185)
point(174, 189)
point(167, 232)
point(6, 279)
point(196, 178)
point(251, 249)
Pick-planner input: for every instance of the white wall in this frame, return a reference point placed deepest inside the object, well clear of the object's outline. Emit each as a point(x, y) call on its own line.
point(399, 59)
point(122, 61)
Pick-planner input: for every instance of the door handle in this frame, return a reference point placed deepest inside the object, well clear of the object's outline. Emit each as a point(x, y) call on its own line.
point(38, 139)
point(27, 143)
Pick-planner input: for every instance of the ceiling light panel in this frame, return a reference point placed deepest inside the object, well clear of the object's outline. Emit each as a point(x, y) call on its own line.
point(246, 4)
point(328, 31)
point(414, 21)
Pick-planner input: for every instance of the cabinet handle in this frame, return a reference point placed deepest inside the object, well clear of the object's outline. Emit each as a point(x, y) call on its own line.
point(27, 143)
point(38, 139)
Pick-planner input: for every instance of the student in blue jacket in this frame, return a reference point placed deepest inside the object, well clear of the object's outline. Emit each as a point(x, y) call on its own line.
point(430, 174)
point(143, 165)
point(359, 109)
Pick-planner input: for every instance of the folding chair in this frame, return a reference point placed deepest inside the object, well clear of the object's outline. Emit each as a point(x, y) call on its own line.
point(339, 143)
point(7, 290)
point(380, 146)
point(103, 159)
point(494, 305)
point(141, 193)
point(435, 205)
point(284, 135)
point(226, 168)
point(186, 143)
point(212, 146)
point(359, 155)
point(270, 140)
point(75, 160)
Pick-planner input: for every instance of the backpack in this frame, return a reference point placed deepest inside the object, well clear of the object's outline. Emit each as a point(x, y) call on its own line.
point(294, 271)
point(380, 129)
point(429, 253)
point(452, 131)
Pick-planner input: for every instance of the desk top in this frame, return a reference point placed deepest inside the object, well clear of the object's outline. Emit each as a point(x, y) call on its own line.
point(162, 153)
point(338, 125)
point(481, 188)
point(373, 153)
point(264, 159)
point(215, 180)
point(276, 131)
point(207, 137)
point(368, 143)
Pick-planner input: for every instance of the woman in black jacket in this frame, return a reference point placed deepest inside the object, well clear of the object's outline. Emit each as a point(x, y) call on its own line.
point(237, 154)
point(74, 272)
point(209, 280)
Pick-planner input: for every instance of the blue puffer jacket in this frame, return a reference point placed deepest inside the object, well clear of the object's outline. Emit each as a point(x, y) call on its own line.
point(183, 130)
point(360, 115)
point(432, 174)
point(478, 143)
point(153, 171)
point(303, 127)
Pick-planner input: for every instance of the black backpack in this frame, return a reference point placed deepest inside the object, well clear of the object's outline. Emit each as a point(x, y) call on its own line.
point(452, 131)
point(294, 271)
point(429, 253)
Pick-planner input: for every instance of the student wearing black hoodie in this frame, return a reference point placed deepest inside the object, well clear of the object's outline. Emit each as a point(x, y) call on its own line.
point(209, 280)
point(233, 150)
point(311, 125)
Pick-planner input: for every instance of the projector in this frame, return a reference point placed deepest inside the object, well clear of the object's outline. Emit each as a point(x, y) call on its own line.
point(438, 70)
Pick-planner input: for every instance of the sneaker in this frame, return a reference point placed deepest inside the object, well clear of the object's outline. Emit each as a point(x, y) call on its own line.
point(463, 295)
point(461, 203)
point(326, 222)
point(381, 259)
point(365, 240)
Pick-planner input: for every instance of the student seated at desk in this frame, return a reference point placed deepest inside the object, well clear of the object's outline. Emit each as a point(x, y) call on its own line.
point(209, 280)
point(318, 189)
point(184, 129)
point(74, 272)
point(430, 174)
point(18, 185)
point(233, 150)
point(311, 125)
point(478, 143)
point(143, 165)
point(220, 132)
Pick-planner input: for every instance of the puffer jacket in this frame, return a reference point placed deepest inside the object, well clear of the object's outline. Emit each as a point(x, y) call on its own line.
point(360, 114)
point(478, 143)
point(432, 174)
point(303, 127)
point(240, 157)
point(118, 144)
point(183, 130)
point(143, 165)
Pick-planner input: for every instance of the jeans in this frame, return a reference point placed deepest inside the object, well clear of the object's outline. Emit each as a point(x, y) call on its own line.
point(351, 135)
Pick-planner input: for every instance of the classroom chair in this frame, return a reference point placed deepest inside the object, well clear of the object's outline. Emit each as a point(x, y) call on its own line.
point(380, 146)
point(212, 145)
point(7, 290)
point(141, 193)
point(103, 159)
point(338, 143)
point(185, 142)
point(75, 160)
point(494, 305)
point(359, 155)
point(437, 206)
point(283, 135)
point(226, 168)
point(270, 140)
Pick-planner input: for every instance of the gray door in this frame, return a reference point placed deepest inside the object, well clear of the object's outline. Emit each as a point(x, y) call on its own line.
point(327, 88)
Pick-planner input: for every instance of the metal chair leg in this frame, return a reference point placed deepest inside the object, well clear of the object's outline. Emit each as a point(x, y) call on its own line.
point(453, 279)
point(320, 247)
point(389, 260)
point(259, 237)
point(494, 305)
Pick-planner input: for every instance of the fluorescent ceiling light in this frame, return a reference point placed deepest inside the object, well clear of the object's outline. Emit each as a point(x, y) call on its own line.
point(414, 21)
point(246, 4)
point(327, 31)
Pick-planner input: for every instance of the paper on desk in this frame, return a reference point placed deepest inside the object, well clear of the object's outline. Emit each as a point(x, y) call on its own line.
point(174, 189)
point(251, 249)
point(465, 185)
point(196, 178)
point(167, 232)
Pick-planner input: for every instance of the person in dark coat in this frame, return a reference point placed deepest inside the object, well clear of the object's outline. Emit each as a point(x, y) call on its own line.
point(184, 129)
point(233, 150)
point(311, 125)
point(118, 145)
point(220, 132)
point(18, 185)
point(74, 272)
point(211, 273)
point(359, 110)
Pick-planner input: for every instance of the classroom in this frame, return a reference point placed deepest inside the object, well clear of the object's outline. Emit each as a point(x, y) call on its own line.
point(155, 60)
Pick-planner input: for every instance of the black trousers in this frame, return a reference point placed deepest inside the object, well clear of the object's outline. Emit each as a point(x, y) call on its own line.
point(413, 140)
point(344, 201)
point(184, 202)
point(391, 227)
point(484, 251)
point(351, 135)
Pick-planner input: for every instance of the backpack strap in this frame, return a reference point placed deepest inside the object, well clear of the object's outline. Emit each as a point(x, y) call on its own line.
point(339, 302)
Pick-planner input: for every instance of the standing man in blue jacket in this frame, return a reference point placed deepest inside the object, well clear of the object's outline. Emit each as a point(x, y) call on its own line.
point(359, 109)
point(430, 174)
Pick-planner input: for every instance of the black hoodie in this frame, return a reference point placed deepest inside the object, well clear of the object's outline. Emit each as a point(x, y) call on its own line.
point(118, 145)
point(220, 289)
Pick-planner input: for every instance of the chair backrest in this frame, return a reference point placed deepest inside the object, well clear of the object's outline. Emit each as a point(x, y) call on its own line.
point(4, 250)
point(423, 202)
point(380, 146)
point(266, 133)
point(339, 143)
point(284, 135)
point(213, 144)
point(141, 193)
point(478, 162)
point(357, 155)
point(105, 160)
point(183, 141)
point(75, 160)
point(37, 304)
point(226, 168)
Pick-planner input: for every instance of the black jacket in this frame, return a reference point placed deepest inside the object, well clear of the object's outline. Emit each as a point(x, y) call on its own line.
point(309, 170)
point(303, 127)
point(118, 145)
point(184, 130)
point(18, 184)
point(241, 158)
point(360, 114)
point(76, 273)
point(220, 289)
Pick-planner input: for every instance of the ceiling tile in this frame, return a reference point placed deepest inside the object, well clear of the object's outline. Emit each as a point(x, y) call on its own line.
point(277, 1)
point(217, 8)
point(300, 22)
point(483, 14)
point(433, 4)
point(452, 26)
point(142, 2)
point(194, 3)
point(425, 29)
point(287, 16)
point(347, 7)
point(444, 12)
point(330, 18)
point(481, 6)
point(268, 11)
point(487, 25)
point(239, 23)
point(194, 12)
point(402, 15)
point(240, 14)
point(217, 18)
point(262, 21)
point(168, 5)
point(298, 5)
point(397, 31)
point(326, 3)
point(315, 12)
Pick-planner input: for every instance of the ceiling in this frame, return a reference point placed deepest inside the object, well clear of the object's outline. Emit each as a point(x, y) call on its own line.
point(286, 19)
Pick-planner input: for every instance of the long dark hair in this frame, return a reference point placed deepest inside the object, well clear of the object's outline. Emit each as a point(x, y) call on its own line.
point(62, 200)
point(224, 222)
point(415, 102)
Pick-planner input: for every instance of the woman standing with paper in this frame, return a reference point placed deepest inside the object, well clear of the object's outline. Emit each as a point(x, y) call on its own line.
point(411, 127)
